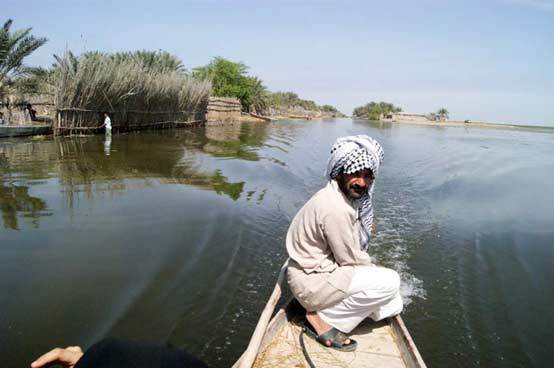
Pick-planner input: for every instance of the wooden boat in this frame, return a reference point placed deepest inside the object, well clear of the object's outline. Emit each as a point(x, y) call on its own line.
point(380, 344)
point(24, 130)
point(279, 344)
point(264, 118)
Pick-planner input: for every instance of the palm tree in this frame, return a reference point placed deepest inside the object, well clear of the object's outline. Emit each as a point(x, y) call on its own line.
point(258, 95)
point(443, 113)
point(14, 47)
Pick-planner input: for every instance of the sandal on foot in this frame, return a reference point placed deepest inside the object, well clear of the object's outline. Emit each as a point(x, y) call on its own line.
point(333, 336)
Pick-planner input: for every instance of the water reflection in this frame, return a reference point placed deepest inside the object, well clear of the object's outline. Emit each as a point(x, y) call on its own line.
point(16, 199)
point(108, 143)
point(88, 165)
point(235, 140)
point(162, 157)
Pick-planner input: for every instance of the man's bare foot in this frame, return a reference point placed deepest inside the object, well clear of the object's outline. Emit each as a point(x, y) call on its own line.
point(320, 325)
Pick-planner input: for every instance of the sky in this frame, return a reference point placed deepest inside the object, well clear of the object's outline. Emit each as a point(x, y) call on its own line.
point(488, 60)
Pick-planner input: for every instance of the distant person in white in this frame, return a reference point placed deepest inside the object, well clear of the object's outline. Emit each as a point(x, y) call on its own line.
point(107, 124)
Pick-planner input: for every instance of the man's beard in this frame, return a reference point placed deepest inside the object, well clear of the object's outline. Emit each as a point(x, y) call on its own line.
point(356, 192)
point(353, 192)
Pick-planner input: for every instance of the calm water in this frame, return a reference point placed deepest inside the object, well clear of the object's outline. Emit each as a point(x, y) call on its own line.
point(177, 236)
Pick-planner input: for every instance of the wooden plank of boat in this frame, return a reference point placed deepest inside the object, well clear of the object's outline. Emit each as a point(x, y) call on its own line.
point(380, 344)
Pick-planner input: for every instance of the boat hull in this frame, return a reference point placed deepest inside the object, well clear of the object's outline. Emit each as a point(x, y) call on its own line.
point(24, 131)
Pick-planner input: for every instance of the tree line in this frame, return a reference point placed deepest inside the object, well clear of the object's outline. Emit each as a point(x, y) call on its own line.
point(379, 110)
point(375, 110)
point(141, 79)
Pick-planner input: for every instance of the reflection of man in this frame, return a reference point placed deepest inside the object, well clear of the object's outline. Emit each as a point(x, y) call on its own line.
point(107, 123)
point(108, 144)
point(330, 272)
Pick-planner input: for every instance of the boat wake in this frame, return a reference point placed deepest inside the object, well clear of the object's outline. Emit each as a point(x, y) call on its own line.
point(394, 240)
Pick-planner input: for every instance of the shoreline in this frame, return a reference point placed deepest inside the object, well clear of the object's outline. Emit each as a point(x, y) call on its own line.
point(443, 123)
point(471, 124)
point(249, 118)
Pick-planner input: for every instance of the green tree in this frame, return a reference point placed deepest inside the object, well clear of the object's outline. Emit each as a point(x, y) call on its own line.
point(442, 113)
point(329, 108)
point(291, 99)
point(14, 48)
point(288, 99)
point(374, 110)
point(230, 79)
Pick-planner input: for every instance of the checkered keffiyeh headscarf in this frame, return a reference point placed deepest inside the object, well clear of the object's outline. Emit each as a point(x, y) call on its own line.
point(350, 155)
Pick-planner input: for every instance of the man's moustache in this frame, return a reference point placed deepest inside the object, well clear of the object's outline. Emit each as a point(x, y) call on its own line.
point(359, 189)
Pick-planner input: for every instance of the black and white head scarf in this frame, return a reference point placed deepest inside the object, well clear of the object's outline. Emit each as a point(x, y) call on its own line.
point(350, 155)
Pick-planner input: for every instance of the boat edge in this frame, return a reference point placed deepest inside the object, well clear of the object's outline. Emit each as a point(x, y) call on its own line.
point(406, 344)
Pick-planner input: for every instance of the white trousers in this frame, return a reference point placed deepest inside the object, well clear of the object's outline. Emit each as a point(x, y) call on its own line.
point(373, 292)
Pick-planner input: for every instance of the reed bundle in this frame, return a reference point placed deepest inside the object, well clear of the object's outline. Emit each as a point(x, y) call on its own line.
point(119, 83)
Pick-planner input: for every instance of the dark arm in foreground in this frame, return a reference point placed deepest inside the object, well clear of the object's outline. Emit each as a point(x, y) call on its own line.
point(112, 353)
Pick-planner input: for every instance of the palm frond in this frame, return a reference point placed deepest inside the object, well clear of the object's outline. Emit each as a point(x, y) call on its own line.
point(14, 48)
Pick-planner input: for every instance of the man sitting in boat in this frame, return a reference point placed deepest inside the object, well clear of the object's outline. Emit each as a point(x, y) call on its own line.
point(330, 271)
point(31, 112)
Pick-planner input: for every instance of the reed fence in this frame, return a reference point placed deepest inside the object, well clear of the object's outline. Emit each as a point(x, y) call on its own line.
point(76, 120)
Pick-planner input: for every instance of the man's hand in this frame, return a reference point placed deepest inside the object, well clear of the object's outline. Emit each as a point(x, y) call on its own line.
point(67, 357)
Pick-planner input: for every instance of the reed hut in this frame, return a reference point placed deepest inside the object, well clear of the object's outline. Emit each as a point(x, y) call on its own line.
point(140, 90)
point(223, 109)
